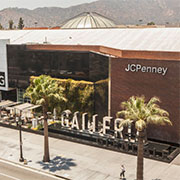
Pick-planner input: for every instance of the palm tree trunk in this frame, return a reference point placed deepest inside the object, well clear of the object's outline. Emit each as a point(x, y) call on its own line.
point(139, 175)
point(46, 143)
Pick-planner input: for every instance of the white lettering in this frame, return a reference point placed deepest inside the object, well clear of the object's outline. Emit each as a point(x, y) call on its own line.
point(106, 120)
point(128, 68)
point(118, 130)
point(67, 122)
point(146, 69)
point(154, 69)
point(84, 121)
point(65, 118)
point(75, 123)
point(62, 120)
point(164, 71)
point(95, 123)
point(159, 70)
point(143, 69)
point(131, 67)
point(85, 124)
point(2, 81)
point(138, 67)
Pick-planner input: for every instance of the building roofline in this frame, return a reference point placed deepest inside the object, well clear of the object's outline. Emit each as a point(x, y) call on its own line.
point(130, 54)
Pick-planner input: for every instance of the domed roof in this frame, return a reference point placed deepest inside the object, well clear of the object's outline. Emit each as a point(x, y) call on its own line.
point(88, 20)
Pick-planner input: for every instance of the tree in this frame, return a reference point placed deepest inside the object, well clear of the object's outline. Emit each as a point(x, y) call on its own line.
point(151, 23)
point(136, 111)
point(11, 24)
point(1, 27)
point(21, 23)
point(44, 91)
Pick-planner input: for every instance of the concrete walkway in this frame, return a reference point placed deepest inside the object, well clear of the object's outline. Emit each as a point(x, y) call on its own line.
point(80, 162)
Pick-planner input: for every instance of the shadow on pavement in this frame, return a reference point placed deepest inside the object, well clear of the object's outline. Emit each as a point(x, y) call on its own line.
point(57, 163)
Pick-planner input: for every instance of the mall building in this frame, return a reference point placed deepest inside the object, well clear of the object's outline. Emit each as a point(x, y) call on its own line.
point(133, 61)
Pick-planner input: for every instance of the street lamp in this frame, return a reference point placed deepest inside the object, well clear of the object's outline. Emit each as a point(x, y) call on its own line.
point(19, 123)
point(0, 112)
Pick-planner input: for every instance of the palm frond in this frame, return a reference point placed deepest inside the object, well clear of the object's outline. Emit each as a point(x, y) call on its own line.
point(158, 120)
point(160, 111)
point(121, 113)
point(41, 101)
point(140, 125)
point(153, 101)
point(144, 113)
point(125, 123)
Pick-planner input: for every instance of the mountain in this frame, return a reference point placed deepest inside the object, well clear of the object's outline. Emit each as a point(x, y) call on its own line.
point(121, 11)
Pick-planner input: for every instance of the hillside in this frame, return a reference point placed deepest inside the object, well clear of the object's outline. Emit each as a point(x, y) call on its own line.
point(121, 11)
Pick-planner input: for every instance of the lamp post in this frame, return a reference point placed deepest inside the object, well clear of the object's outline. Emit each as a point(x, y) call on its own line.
point(0, 112)
point(19, 123)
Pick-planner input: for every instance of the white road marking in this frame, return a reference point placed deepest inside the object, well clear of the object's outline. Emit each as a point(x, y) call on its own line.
point(9, 176)
point(28, 168)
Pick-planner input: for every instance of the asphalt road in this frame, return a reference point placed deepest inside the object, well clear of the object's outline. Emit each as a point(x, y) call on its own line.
point(9, 171)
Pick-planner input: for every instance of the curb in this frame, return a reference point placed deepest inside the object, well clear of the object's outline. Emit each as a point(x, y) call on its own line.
point(35, 169)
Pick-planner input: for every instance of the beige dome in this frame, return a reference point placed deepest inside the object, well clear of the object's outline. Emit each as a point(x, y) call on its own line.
point(88, 20)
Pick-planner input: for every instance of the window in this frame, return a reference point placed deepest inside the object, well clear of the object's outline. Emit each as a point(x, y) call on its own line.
point(20, 94)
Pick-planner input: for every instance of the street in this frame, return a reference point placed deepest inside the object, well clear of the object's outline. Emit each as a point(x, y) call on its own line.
point(9, 171)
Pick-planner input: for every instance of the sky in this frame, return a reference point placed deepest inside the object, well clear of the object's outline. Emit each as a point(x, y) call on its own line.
point(32, 4)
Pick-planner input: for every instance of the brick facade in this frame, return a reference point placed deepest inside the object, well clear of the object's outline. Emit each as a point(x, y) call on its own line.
point(167, 88)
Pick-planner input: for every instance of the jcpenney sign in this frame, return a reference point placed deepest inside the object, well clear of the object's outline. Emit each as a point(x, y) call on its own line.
point(146, 69)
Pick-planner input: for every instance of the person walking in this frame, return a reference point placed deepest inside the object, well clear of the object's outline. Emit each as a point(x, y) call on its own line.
point(122, 174)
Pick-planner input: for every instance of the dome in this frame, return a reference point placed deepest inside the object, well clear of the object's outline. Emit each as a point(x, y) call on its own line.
point(88, 20)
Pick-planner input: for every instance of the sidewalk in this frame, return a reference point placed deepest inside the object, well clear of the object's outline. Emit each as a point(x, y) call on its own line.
point(80, 162)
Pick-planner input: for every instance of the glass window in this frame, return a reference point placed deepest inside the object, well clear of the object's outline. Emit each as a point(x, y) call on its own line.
point(20, 98)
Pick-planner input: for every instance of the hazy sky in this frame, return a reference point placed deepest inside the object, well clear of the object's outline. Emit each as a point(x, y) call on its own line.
point(32, 4)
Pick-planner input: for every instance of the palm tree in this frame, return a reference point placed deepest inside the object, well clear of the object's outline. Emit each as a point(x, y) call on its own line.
point(136, 111)
point(45, 91)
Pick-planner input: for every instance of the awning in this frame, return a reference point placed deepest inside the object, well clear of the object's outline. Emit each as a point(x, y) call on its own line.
point(10, 106)
point(4, 104)
point(33, 107)
point(23, 106)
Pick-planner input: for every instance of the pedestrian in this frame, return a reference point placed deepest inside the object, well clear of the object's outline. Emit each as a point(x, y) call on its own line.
point(122, 174)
